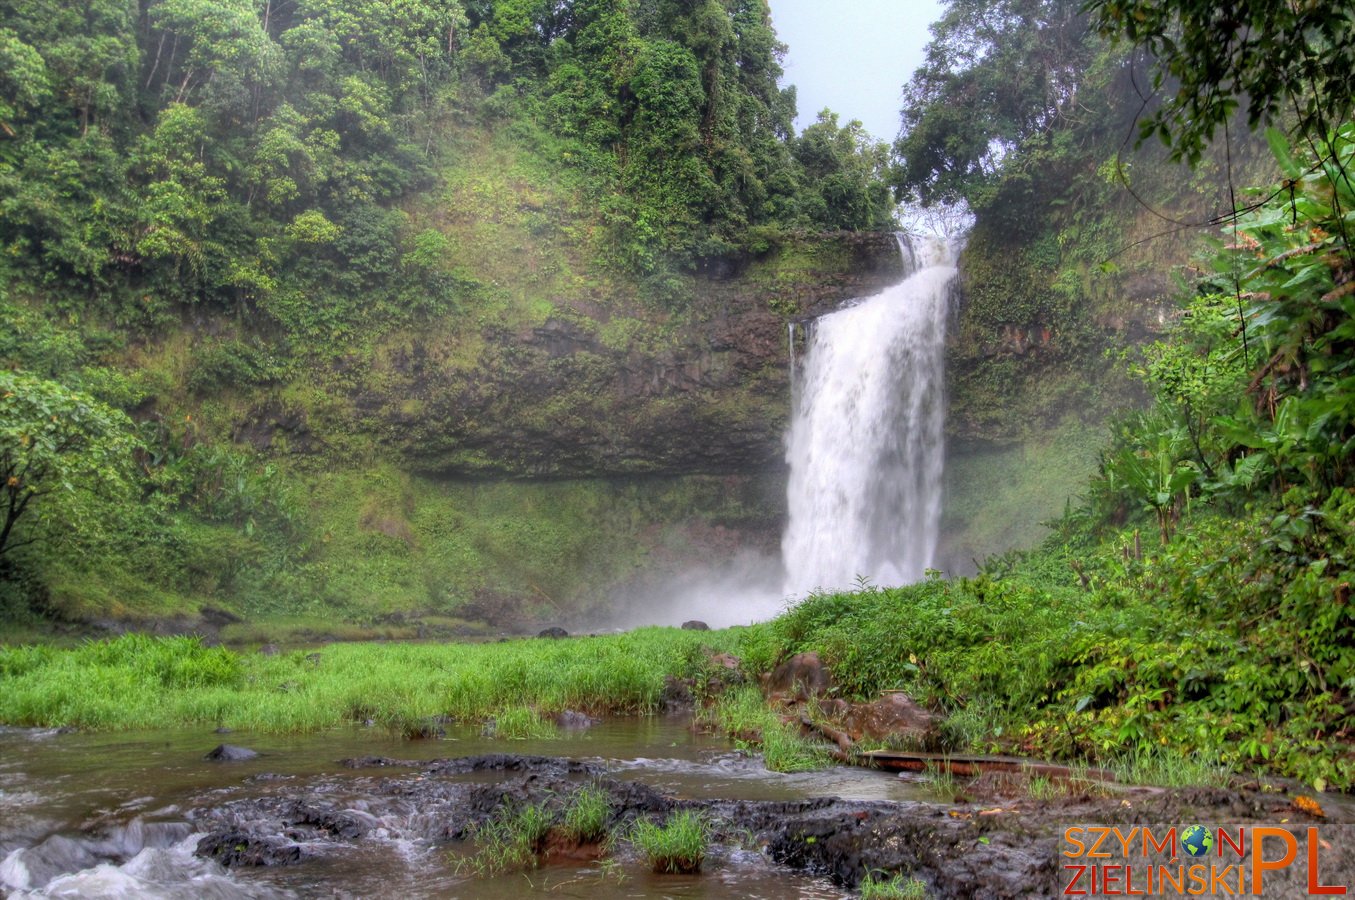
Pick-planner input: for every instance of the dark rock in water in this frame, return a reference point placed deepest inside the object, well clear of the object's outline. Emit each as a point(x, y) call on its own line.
point(241, 848)
point(553, 632)
point(695, 625)
point(575, 721)
point(224, 730)
point(370, 762)
point(231, 753)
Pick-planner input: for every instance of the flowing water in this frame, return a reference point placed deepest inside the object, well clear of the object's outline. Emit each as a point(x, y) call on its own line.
point(865, 450)
point(866, 441)
point(107, 815)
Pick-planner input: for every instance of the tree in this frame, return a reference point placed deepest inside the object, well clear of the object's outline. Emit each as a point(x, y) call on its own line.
point(56, 441)
point(1279, 55)
point(845, 172)
point(997, 72)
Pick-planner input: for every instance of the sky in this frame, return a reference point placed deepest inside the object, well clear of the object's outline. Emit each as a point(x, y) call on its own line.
point(853, 56)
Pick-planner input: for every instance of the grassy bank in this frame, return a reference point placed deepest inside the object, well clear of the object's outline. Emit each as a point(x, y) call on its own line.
point(1228, 643)
point(142, 682)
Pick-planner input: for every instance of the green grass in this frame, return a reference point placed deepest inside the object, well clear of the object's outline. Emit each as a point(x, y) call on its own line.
point(586, 815)
point(1165, 768)
point(143, 682)
point(878, 886)
point(678, 846)
point(744, 715)
point(516, 837)
point(513, 839)
point(942, 784)
point(1040, 787)
point(521, 723)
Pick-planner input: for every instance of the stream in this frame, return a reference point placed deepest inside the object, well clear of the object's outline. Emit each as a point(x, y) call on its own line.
point(111, 814)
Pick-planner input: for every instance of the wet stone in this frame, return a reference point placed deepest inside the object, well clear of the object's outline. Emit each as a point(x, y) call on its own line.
point(231, 753)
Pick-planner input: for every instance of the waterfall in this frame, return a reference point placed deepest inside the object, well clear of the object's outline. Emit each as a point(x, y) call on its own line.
point(866, 441)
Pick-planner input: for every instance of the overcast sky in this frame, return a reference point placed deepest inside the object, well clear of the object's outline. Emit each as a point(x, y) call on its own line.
point(853, 56)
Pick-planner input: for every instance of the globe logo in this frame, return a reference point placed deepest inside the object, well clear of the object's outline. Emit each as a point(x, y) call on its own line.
point(1197, 841)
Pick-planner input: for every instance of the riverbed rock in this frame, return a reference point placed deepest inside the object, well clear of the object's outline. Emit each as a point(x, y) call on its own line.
point(999, 847)
point(231, 753)
point(243, 848)
point(695, 625)
point(554, 633)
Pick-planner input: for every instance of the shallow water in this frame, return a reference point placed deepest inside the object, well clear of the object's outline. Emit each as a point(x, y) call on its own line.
point(106, 810)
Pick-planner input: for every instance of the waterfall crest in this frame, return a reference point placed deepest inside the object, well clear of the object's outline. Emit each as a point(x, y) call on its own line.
point(866, 444)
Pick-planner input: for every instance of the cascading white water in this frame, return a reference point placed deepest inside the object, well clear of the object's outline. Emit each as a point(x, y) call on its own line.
point(866, 440)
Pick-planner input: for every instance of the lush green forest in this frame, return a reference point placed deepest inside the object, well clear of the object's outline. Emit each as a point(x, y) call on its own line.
point(205, 205)
point(219, 212)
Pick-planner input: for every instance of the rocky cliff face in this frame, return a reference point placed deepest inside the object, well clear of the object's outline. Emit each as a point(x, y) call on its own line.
point(621, 386)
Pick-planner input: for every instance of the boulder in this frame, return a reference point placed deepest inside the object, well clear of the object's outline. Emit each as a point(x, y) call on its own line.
point(894, 715)
point(231, 753)
point(554, 632)
point(695, 625)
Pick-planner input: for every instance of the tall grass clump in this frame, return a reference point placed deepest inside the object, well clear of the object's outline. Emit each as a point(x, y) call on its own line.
point(941, 783)
point(513, 839)
point(878, 886)
point(521, 723)
point(678, 846)
point(1167, 768)
point(585, 819)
